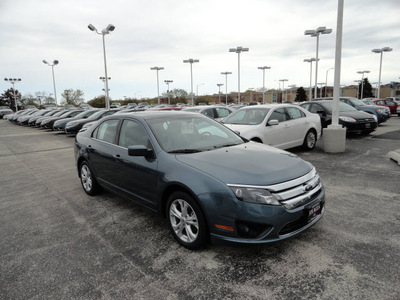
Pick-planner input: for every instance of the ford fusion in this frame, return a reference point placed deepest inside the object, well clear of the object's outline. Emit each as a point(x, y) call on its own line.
point(207, 181)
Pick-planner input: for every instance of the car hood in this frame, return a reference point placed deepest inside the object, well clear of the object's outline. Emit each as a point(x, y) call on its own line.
point(250, 163)
point(241, 128)
point(356, 114)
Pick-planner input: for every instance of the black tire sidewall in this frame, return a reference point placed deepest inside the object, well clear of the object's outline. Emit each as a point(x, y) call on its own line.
point(95, 186)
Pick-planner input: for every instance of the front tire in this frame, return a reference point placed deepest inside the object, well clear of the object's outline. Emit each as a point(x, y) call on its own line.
point(186, 221)
point(310, 140)
point(88, 181)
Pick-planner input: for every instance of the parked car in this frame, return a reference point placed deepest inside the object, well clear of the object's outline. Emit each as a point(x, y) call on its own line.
point(49, 122)
point(386, 110)
point(59, 125)
point(379, 114)
point(5, 111)
point(354, 120)
point(23, 120)
point(75, 126)
point(208, 182)
point(25, 112)
point(214, 111)
point(32, 121)
point(280, 125)
point(392, 105)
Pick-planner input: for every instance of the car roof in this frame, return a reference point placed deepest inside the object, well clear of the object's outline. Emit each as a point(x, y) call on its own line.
point(146, 115)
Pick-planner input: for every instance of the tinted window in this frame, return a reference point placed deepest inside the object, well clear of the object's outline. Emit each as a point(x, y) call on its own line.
point(132, 133)
point(279, 114)
point(209, 112)
point(315, 108)
point(106, 131)
point(295, 113)
point(222, 112)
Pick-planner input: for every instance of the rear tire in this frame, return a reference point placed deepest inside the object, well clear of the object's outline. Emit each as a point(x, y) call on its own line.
point(186, 221)
point(310, 140)
point(88, 181)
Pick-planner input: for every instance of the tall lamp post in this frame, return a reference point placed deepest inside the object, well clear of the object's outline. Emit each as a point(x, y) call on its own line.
point(197, 88)
point(316, 33)
point(291, 88)
point(55, 62)
point(283, 88)
point(191, 61)
point(238, 50)
point(105, 31)
point(326, 82)
point(358, 86)
point(263, 69)
point(158, 85)
point(362, 83)
point(226, 85)
point(168, 82)
point(104, 81)
point(385, 49)
point(13, 81)
point(310, 60)
point(219, 91)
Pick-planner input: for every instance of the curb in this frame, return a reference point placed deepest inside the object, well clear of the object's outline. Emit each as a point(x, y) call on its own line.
point(394, 155)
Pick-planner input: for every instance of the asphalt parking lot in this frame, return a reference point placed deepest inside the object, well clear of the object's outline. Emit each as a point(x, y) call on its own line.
point(59, 243)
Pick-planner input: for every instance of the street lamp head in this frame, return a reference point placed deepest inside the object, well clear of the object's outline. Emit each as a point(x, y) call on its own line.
point(226, 73)
point(92, 28)
point(309, 32)
point(45, 61)
point(387, 49)
point(110, 27)
point(55, 62)
point(238, 49)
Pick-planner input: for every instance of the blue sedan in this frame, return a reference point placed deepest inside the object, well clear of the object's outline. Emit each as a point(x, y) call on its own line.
point(208, 182)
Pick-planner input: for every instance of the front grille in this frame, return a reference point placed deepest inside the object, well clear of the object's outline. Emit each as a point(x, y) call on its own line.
point(299, 191)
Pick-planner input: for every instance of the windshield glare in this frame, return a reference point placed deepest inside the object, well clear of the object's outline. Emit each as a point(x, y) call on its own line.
point(252, 116)
point(343, 107)
point(97, 114)
point(190, 134)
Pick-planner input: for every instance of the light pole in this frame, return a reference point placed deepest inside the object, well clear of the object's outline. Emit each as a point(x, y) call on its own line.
point(317, 32)
point(263, 69)
point(168, 82)
point(197, 89)
point(55, 62)
point(326, 82)
point(104, 81)
point(362, 83)
point(283, 88)
point(191, 61)
point(219, 91)
point(105, 31)
point(358, 86)
point(320, 89)
point(226, 85)
point(310, 60)
point(291, 87)
point(238, 50)
point(158, 86)
point(385, 49)
point(13, 81)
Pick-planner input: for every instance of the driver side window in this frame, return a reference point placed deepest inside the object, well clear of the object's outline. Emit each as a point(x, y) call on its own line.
point(279, 114)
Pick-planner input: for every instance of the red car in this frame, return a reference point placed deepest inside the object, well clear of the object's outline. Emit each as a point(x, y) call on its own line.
point(388, 103)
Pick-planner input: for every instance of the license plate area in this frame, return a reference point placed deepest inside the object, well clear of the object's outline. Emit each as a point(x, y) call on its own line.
point(313, 211)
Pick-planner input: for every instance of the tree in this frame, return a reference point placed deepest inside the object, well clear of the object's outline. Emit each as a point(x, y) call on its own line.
point(99, 102)
point(176, 96)
point(72, 97)
point(301, 95)
point(367, 90)
point(8, 98)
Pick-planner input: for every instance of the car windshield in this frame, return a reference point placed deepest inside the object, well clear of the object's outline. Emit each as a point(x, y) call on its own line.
point(356, 102)
point(252, 116)
point(97, 114)
point(343, 107)
point(190, 134)
point(368, 102)
point(85, 113)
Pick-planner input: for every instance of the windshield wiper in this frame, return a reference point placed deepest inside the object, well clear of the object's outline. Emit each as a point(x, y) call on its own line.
point(226, 145)
point(185, 151)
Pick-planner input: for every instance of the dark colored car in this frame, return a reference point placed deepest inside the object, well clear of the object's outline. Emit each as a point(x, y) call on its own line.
point(380, 114)
point(354, 120)
point(48, 122)
point(33, 119)
point(392, 105)
point(206, 180)
point(212, 111)
point(59, 125)
point(75, 126)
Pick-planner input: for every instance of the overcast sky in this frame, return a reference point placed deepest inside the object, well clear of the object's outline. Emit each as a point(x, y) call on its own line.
point(163, 33)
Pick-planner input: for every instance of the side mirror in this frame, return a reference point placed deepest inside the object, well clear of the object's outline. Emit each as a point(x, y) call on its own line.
point(273, 122)
point(322, 113)
point(139, 150)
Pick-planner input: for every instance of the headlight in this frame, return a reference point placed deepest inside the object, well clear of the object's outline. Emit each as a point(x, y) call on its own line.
point(347, 119)
point(254, 195)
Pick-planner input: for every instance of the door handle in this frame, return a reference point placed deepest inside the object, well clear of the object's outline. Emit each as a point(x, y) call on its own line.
point(117, 157)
